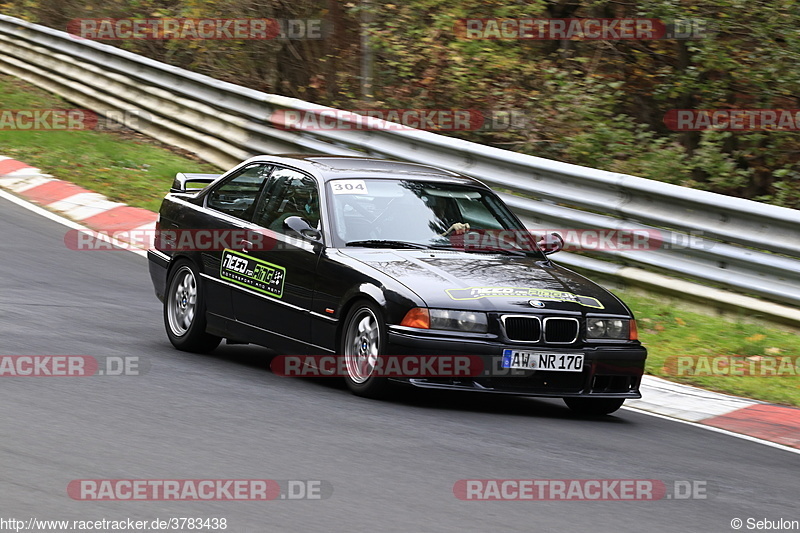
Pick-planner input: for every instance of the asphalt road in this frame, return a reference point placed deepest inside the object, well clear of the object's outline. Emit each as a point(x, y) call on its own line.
point(392, 465)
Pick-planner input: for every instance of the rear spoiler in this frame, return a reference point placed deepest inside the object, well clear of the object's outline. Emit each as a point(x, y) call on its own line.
point(183, 179)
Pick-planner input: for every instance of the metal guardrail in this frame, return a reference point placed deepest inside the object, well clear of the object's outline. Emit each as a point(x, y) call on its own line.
point(746, 246)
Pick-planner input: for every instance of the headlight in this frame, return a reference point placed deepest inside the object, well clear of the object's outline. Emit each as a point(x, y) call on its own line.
point(609, 328)
point(469, 321)
point(473, 322)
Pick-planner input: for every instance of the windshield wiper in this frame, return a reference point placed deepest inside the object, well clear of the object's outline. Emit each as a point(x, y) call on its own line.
point(469, 249)
point(379, 243)
point(507, 251)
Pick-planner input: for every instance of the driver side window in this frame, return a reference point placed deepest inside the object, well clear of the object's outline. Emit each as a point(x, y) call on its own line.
point(237, 196)
point(291, 193)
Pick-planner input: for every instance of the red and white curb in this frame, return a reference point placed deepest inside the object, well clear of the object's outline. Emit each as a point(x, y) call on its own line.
point(90, 209)
point(759, 421)
point(773, 423)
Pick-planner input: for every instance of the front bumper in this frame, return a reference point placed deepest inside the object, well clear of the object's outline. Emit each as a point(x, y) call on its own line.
point(610, 371)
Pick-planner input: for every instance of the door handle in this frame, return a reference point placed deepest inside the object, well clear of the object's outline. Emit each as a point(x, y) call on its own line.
point(245, 244)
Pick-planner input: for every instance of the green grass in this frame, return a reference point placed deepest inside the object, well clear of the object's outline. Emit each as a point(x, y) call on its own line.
point(669, 331)
point(132, 168)
point(125, 166)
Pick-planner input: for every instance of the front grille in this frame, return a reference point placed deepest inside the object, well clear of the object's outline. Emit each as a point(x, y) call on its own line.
point(522, 328)
point(560, 330)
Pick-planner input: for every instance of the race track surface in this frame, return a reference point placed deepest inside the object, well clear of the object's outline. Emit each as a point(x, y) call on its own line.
point(392, 465)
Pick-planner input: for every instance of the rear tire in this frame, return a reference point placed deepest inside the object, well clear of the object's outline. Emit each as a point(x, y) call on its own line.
point(363, 343)
point(185, 310)
point(594, 406)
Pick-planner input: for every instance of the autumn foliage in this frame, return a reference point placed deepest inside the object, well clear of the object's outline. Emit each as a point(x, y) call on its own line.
point(600, 103)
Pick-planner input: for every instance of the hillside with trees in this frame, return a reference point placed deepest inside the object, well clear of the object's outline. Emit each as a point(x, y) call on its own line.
point(599, 103)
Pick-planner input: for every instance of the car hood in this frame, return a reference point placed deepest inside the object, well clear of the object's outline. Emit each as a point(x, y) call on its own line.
point(489, 282)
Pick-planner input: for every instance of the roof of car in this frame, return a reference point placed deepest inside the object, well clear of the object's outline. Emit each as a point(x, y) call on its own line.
point(338, 166)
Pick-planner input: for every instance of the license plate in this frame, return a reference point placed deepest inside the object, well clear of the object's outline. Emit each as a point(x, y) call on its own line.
point(558, 362)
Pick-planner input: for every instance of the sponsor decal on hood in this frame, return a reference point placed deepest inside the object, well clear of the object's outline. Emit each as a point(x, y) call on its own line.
point(476, 293)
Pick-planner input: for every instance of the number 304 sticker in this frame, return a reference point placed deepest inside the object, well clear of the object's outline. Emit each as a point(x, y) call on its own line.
point(349, 187)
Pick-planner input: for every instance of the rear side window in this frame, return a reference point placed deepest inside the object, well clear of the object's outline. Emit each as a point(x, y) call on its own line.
point(237, 196)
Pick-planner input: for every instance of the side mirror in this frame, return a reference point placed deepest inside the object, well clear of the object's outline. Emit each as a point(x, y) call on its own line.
point(550, 243)
point(299, 225)
point(182, 181)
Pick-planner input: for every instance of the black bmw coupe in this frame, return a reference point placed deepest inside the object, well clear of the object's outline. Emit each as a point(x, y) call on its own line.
point(364, 259)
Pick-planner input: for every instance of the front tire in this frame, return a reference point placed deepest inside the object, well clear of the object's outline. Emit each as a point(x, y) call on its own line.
point(594, 406)
point(185, 310)
point(363, 343)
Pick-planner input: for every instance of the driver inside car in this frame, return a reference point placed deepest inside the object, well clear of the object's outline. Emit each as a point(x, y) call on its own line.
point(457, 228)
point(446, 212)
point(300, 201)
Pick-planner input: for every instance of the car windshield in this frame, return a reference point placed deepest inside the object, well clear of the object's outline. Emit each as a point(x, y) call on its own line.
point(419, 214)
